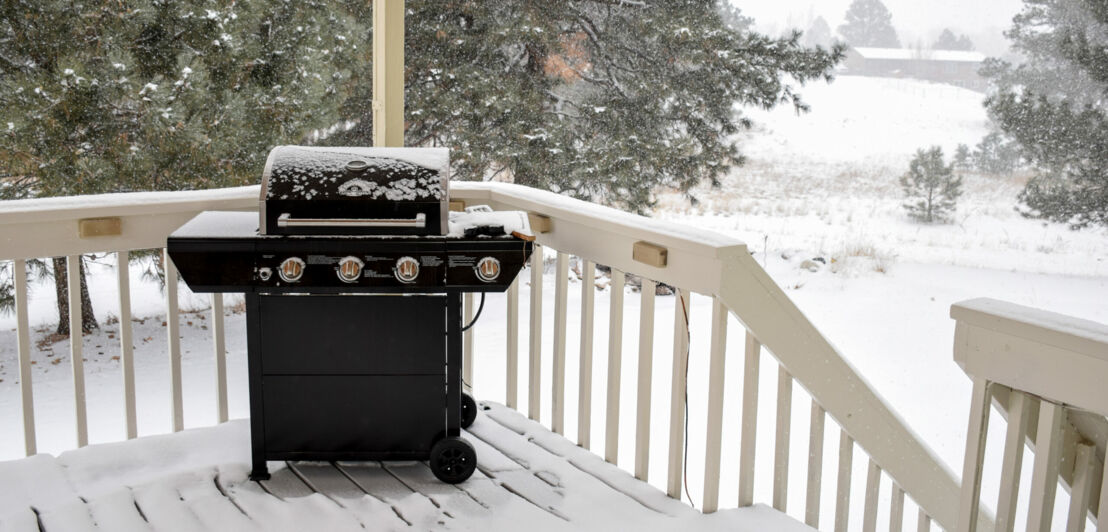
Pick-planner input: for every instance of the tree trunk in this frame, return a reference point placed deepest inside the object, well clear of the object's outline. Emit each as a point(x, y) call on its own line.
point(61, 286)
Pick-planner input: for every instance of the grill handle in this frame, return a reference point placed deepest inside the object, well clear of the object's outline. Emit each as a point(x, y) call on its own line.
point(286, 220)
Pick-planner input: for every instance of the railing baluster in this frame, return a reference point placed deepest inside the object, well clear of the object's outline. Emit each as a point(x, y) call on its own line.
point(1102, 508)
point(715, 406)
point(975, 453)
point(1018, 414)
point(534, 365)
point(896, 509)
point(467, 343)
point(511, 388)
point(615, 355)
point(584, 401)
point(781, 451)
point(923, 522)
point(842, 490)
point(558, 393)
point(749, 421)
point(126, 342)
point(219, 345)
point(73, 274)
point(1044, 476)
point(1081, 487)
point(678, 391)
point(23, 338)
point(646, 370)
point(171, 329)
point(815, 466)
point(873, 488)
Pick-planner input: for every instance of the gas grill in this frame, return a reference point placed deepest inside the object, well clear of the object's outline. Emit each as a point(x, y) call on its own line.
point(353, 272)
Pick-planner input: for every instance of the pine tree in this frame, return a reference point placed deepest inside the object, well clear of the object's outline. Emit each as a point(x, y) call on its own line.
point(947, 41)
point(818, 34)
point(930, 186)
point(599, 100)
point(963, 157)
point(102, 97)
point(869, 23)
point(996, 155)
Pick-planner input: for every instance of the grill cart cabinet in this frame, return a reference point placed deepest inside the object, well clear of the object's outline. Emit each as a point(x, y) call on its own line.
point(354, 332)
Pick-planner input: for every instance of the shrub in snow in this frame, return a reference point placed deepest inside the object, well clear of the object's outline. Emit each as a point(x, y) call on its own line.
point(930, 186)
point(996, 155)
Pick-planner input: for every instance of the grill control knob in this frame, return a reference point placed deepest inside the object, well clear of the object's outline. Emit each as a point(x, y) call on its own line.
point(488, 269)
point(291, 270)
point(350, 269)
point(407, 269)
point(264, 273)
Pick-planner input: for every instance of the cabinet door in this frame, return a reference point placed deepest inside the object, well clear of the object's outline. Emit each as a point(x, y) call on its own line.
point(353, 334)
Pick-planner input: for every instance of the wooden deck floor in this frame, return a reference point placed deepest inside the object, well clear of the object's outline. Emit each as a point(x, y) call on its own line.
point(527, 478)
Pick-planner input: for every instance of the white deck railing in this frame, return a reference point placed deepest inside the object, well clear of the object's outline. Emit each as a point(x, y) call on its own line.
point(696, 261)
point(1047, 373)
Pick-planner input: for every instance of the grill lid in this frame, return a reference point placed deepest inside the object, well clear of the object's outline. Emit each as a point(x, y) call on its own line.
point(355, 190)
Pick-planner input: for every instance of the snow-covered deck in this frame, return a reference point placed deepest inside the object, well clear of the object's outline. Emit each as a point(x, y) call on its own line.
point(197, 480)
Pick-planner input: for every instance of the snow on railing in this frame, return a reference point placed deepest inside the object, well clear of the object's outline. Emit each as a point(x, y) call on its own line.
point(705, 269)
point(1047, 372)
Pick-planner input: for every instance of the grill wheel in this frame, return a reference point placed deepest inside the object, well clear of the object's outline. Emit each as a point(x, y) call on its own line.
point(453, 460)
point(469, 410)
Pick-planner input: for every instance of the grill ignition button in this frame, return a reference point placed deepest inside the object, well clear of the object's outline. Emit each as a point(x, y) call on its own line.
point(407, 269)
point(350, 268)
point(291, 270)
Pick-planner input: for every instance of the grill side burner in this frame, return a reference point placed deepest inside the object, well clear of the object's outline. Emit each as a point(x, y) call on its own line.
point(353, 333)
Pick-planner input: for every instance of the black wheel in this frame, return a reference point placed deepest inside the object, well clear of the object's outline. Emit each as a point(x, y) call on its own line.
point(453, 460)
point(469, 410)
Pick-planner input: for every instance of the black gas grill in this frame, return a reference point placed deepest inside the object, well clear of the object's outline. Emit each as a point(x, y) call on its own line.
point(353, 275)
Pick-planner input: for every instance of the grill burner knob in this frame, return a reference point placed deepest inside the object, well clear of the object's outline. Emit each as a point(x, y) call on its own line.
point(488, 269)
point(407, 269)
point(350, 269)
point(265, 273)
point(291, 270)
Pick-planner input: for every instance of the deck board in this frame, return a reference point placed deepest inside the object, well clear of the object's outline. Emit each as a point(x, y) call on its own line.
point(197, 481)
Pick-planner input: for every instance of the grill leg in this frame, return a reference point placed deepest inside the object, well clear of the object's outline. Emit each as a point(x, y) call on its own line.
point(453, 365)
point(254, 362)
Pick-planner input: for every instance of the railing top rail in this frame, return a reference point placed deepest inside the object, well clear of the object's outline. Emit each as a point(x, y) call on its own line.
point(1086, 337)
point(126, 203)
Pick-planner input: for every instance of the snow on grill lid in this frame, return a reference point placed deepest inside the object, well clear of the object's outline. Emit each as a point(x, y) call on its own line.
point(385, 174)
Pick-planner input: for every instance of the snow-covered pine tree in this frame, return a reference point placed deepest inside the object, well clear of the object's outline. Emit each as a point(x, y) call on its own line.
point(869, 23)
point(601, 100)
point(818, 34)
point(1053, 105)
point(963, 157)
point(160, 95)
point(930, 186)
point(948, 41)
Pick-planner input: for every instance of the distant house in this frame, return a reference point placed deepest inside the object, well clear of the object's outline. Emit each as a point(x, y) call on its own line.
point(945, 66)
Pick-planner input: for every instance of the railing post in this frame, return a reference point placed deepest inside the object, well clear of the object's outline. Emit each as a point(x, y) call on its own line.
point(842, 489)
point(646, 363)
point(73, 274)
point(511, 387)
point(1044, 476)
point(1018, 413)
point(815, 466)
point(467, 343)
point(749, 421)
point(615, 363)
point(23, 337)
point(172, 326)
point(388, 73)
point(220, 348)
point(126, 342)
point(678, 392)
point(584, 402)
point(534, 366)
point(781, 450)
point(713, 440)
point(558, 379)
point(975, 454)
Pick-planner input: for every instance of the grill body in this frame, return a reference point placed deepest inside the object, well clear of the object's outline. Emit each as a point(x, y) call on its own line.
point(353, 340)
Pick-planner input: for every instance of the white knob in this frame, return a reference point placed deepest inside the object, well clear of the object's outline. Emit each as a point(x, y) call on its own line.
point(488, 269)
point(350, 269)
point(291, 270)
point(407, 269)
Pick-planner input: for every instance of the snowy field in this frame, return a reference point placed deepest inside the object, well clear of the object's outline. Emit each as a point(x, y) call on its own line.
point(818, 185)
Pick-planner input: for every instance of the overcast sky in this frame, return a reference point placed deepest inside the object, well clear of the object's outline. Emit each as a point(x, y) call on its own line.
point(983, 20)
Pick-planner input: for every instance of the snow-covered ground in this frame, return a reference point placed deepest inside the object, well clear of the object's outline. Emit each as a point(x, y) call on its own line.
point(817, 185)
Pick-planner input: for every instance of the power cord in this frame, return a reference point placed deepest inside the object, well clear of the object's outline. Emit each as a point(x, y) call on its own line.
point(480, 307)
point(688, 341)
